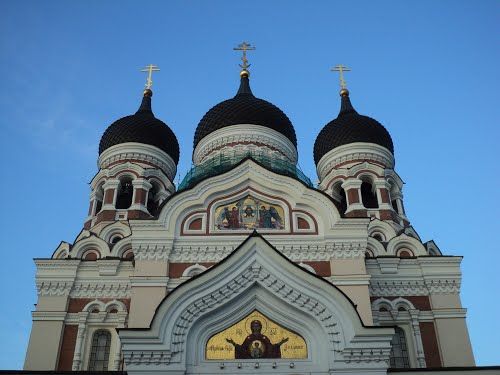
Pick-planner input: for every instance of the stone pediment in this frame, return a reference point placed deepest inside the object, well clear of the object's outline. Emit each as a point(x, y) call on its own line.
point(255, 277)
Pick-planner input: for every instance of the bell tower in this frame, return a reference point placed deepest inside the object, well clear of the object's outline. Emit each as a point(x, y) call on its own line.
point(354, 157)
point(138, 156)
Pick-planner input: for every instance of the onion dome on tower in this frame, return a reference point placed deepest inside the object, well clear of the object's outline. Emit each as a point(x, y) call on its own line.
point(141, 127)
point(351, 134)
point(350, 127)
point(243, 127)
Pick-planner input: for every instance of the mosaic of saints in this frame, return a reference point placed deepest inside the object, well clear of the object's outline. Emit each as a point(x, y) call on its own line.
point(257, 345)
point(249, 213)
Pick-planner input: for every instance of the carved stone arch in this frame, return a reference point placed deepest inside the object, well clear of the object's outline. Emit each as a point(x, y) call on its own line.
point(93, 242)
point(62, 251)
point(121, 247)
point(255, 276)
point(116, 228)
point(382, 303)
point(115, 304)
point(404, 241)
point(402, 302)
point(95, 305)
point(368, 170)
point(375, 247)
point(130, 170)
point(382, 227)
point(194, 270)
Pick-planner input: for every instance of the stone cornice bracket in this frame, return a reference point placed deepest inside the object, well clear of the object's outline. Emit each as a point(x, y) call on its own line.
point(156, 252)
point(53, 288)
point(147, 357)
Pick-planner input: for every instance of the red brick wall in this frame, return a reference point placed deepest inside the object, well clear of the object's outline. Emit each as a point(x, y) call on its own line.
point(384, 194)
point(175, 270)
point(67, 350)
point(353, 196)
point(108, 196)
point(429, 341)
point(322, 268)
point(140, 196)
point(302, 223)
point(195, 224)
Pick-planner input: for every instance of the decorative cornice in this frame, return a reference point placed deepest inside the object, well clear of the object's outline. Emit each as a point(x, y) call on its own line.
point(139, 152)
point(157, 252)
point(381, 288)
point(102, 288)
point(301, 252)
point(244, 134)
point(353, 152)
point(53, 288)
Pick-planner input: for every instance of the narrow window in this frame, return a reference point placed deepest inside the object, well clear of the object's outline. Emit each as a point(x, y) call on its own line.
point(99, 196)
point(399, 350)
point(152, 201)
point(368, 196)
point(125, 191)
point(99, 353)
point(339, 195)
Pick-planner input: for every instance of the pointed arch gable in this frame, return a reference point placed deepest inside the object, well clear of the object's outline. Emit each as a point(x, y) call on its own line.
point(255, 275)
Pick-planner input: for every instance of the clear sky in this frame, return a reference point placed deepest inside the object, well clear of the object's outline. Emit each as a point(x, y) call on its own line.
point(428, 70)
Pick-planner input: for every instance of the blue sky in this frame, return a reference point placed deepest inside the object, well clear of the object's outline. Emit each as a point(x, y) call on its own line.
point(428, 70)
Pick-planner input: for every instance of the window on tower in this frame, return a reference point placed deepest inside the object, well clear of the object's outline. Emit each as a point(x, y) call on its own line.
point(99, 352)
point(339, 195)
point(368, 195)
point(152, 198)
point(99, 196)
point(125, 192)
point(399, 350)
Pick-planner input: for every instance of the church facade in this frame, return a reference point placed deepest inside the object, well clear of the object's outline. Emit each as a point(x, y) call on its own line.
point(245, 266)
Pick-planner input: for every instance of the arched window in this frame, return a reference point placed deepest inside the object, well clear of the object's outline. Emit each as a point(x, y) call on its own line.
point(368, 196)
point(339, 195)
point(399, 350)
point(99, 196)
point(152, 198)
point(125, 191)
point(99, 352)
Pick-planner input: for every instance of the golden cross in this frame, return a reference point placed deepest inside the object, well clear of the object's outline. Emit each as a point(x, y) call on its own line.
point(150, 69)
point(244, 47)
point(341, 69)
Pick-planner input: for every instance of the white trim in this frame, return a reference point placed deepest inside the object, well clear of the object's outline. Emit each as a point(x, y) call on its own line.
point(242, 134)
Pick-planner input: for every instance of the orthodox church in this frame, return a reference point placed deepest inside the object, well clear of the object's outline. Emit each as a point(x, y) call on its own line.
point(246, 267)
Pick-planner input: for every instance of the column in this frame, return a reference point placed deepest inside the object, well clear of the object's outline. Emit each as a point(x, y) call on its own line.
point(353, 194)
point(140, 195)
point(415, 324)
point(80, 339)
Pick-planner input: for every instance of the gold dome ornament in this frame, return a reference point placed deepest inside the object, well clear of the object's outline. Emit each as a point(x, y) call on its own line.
point(245, 65)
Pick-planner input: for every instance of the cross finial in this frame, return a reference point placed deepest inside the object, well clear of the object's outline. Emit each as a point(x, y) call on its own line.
point(341, 69)
point(244, 47)
point(150, 69)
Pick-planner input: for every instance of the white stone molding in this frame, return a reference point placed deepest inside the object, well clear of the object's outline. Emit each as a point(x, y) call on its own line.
point(93, 242)
point(432, 248)
point(140, 152)
point(152, 251)
point(255, 276)
point(398, 288)
point(193, 270)
point(111, 230)
point(382, 227)
point(352, 152)
point(403, 241)
point(376, 248)
point(62, 251)
point(88, 322)
point(408, 320)
point(301, 251)
point(101, 288)
point(244, 136)
point(121, 247)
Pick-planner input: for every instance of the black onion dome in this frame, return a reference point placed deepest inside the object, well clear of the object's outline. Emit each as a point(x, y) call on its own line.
point(245, 108)
point(350, 127)
point(141, 127)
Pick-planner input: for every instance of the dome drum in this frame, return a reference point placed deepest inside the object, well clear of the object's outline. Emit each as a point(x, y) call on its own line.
point(244, 138)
